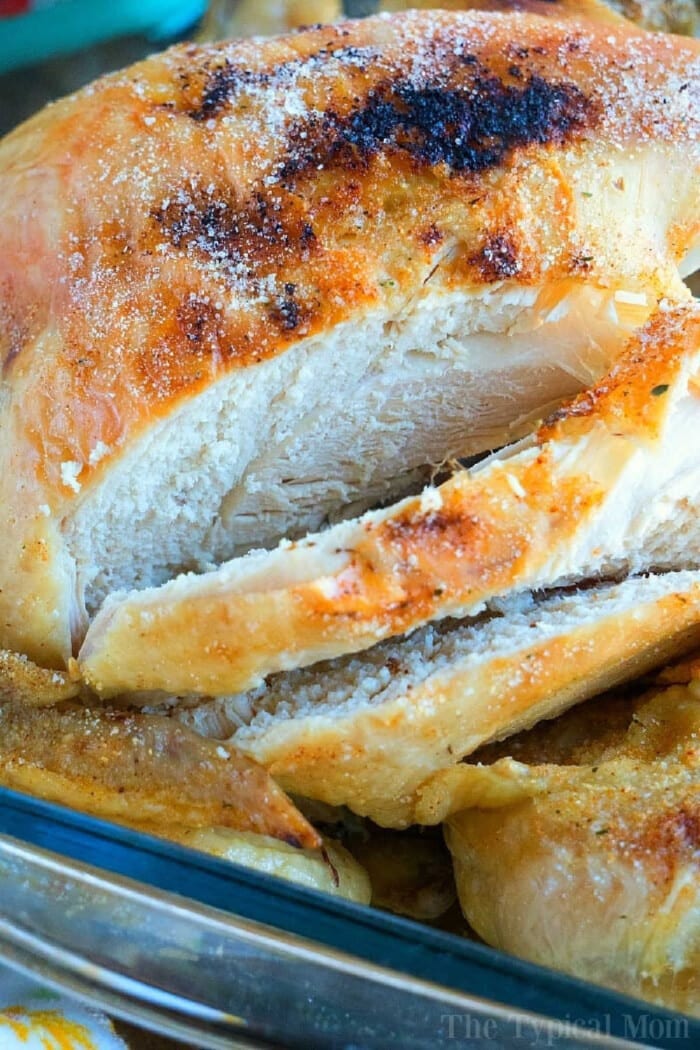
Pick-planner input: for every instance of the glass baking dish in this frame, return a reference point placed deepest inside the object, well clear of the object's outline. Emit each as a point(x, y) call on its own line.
point(222, 956)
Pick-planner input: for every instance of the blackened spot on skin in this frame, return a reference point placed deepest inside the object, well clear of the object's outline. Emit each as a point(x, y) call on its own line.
point(292, 840)
point(220, 227)
point(431, 236)
point(197, 320)
point(497, 259)
point(247, 240)
point(308, 237)
point(225, 81)
point(287, 313)
point(222, 84)
point(581, 263)
point(583, 406)
point(470, 129)
point(435, 526)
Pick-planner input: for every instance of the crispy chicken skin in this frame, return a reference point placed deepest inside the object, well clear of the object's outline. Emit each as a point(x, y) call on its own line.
point(212, 207)
point(577, 845)
point(139, 769)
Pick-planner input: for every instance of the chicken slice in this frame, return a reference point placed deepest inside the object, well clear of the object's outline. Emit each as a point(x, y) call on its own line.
point(366, 731)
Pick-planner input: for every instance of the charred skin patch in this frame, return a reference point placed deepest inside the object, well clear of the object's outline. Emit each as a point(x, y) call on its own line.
point(441, 526)
point(464, 120)
point(288, 313)
point(470, 128)
point(221, 85)
point(498, 259)
point(197, 321)
point(251, 241)
point(430, 236)
point(207, 93)
point(582, 263)
point(253, 232)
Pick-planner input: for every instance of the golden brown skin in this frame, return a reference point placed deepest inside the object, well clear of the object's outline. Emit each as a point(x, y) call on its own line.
point(142, 768)
point(22, 682)
point(235, 173)
point(581, 850)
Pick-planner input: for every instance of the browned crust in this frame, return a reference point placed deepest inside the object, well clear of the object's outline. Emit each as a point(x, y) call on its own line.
point(141, 768)
point(22, 682)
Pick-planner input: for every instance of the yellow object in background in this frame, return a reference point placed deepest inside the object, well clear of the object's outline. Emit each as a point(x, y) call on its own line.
point(239, 18)
point(34, 1019)
point(232, 18)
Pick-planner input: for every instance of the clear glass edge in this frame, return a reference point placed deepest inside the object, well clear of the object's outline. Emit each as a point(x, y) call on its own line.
point(147, 1004)
point(160, 1010)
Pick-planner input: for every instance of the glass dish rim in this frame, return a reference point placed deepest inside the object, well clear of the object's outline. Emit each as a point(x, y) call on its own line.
point(376, 941)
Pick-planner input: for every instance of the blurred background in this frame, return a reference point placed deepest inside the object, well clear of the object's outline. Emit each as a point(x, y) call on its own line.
point(49, 48)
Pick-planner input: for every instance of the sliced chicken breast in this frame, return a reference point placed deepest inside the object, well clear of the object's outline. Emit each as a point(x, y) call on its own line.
point(609, 485)
point(367, 731)
point(248, 288)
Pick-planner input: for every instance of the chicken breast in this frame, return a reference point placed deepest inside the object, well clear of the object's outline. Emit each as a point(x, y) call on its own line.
point(577, 845)
point(246, 288)
point(608, 486)
point(367, 731)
